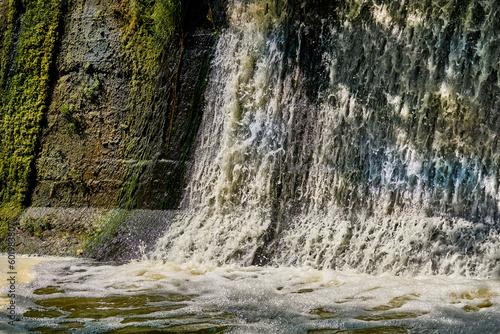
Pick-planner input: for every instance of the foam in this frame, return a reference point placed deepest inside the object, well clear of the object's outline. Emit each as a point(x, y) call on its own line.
point(271, 299)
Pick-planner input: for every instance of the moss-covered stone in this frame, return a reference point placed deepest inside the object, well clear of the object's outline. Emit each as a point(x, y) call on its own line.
point(24, 88)
point(122, 112)
point(150, 34)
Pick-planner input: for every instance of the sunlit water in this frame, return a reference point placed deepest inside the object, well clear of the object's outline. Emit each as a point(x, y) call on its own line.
point(79, 296)
point(338, 140)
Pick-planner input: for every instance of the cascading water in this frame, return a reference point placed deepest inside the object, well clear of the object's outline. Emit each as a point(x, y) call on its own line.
point(351, 135)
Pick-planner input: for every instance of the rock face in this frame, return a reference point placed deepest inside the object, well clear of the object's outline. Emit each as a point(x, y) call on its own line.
point(103, 234)
point(103, 106)
point(123, 99)
point(105, 142)
point(80, 163)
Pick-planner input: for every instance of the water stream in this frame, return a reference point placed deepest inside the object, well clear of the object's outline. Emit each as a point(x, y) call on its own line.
point(348, 136)
point(79, 296)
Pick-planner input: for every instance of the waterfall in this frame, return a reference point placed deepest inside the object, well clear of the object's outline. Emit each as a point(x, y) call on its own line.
point(357, 134)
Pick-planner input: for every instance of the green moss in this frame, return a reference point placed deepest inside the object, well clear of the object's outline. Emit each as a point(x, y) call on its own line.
point(8, 212)
point(96, 85)
point(89, 93)
point(106, 230)
point(8, 42)
point(68, 109)
point(156, 20)
point(88, 67)
point(36, 227)
point(24, 87)
point(150, 30)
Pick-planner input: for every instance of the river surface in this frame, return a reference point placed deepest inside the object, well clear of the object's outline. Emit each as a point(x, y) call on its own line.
point(82, 296)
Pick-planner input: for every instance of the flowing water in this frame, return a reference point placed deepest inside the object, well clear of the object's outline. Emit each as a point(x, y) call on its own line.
point(146, 297)
point(354, 135)
point(345, 180)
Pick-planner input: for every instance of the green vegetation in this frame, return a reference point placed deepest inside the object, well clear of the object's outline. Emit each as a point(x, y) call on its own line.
point(88, 67)
point(107, 229)
point(69, 113)
point(151, 34)
point(89, 93)
point(24, 87)
point(156, 20)
point(36, 227)
point(68, 109)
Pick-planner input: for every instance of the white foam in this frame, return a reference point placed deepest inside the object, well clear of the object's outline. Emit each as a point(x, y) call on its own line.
point(285, 299)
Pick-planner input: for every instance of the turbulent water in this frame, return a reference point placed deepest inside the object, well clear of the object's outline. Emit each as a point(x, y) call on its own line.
point(349, 135)
point(145, 297)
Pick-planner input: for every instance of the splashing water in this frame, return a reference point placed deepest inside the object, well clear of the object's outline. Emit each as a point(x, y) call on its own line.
point(347, 137)
point(147, 297)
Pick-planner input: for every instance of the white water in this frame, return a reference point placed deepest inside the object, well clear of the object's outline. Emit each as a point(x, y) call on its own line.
point(241, 146)
point(389, 167)
point(378, 171)
point(234, 299)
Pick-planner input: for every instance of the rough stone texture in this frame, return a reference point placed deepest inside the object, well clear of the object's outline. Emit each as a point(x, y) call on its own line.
point(57, 231)
point(102, 144)
point(85, 158)
point(70, 231)
point(78, 163)
point(135, 233)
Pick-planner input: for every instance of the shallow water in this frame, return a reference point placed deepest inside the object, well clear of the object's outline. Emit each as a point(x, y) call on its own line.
point(80, 296)
point(22, 269)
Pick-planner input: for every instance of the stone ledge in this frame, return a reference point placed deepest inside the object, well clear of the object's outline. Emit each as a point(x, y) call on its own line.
point(104, 234)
